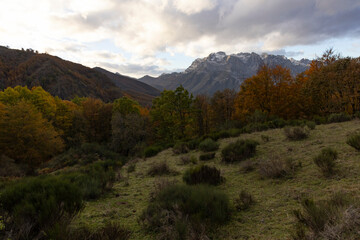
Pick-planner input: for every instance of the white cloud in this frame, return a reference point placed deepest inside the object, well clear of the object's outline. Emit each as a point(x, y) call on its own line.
point(145, 28)
point(192, 7)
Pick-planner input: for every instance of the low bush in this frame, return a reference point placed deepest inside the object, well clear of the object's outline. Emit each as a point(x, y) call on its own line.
point(131, 168)
point(244, 201)
point(184, 160)
point(265, 138)
point(296, 133)
point(9, 168)
point(326, 161)
point(207, 156)
point(203, 175)
point(186, 212)
point(159, 168)
point(180, 148)
point(239, 150)
point(319, 119)
point(354, 141)
point(39, 205)
point(111, 231)
point(95, 179)
point(276, 167)
point(208, 145)
point(193, 143)
point(247, 166)
point(311, 125)
point(152, 151)
point(336, 218)
point(339, 117)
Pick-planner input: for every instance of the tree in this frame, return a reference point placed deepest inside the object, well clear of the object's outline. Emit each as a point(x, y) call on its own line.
point(26, 136)
point(222, 107)
point(97, 118)
point(128, 133)
point(270, 91)
point(172, 114)
point(202, 114)
point(126, 106)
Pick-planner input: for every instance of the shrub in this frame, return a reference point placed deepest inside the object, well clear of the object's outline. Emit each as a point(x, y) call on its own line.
point(276, 167)
point(319, 120)
point(38, 205)
point(244, 201)
point(181, 211)
point(326, 161)
point(209, 145)
point(311, 125)
point(111, 231)
point(296, 133)
point(188, 159)
point(152, 151)
point(207, 156)
point(159, 168)
point(354, 141)
point(93, 180)
point(339, 117)
point(265, 138)
point(247, 166)
point(239, 150)
point(203, 174)
point(9, 168)
point(193, 144)
point(131, 168)
point(336, 218)
point(180, 148)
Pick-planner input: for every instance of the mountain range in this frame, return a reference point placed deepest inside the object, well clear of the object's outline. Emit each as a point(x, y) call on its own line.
point(66, 79)
point(219, 71)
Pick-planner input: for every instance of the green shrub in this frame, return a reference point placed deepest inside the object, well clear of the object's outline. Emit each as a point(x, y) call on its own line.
point(239, 150)
point(184, 160)
point(131, 168)
point(193, 144)
point(95, 179)
point(354, 141)
point(207, 156)
point(111, 231)
point(296, 133)
point(180, 148)
point(208, 145)
point(311, 125)
point(336, 218)
point(203, 175)
point(39, 204)
point(159, 168)
point(326, 161)
point(339, 117)
point(319, 120)
point(244, 201)
point(256, 127)
point(276, 167)
point(152, 151)
point(182, 211)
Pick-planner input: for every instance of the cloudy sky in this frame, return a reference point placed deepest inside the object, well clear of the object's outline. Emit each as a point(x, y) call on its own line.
point(138, 37)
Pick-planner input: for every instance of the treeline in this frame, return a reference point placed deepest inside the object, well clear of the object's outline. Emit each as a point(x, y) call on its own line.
point(35, 126)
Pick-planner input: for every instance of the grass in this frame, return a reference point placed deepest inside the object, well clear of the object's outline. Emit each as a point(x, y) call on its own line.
point(271, 217)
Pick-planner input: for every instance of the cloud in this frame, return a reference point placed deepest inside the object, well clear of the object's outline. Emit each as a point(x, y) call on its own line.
point(145, 28)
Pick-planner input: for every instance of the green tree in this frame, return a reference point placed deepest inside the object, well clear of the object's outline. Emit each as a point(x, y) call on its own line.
point(172, 114)
point(125, 106)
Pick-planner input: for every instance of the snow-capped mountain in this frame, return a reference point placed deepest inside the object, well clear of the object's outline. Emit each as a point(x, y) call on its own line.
point(219, 71)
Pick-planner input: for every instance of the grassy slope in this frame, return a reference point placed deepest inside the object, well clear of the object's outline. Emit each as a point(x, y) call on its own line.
point(271, 217)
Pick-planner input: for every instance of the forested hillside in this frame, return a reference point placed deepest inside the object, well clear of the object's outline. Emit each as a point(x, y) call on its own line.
point(275, 160)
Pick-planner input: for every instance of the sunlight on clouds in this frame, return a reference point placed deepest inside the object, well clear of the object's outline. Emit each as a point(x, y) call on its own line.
point(192, 7)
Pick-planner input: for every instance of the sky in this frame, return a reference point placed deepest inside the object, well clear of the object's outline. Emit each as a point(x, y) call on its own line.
point(151, 37)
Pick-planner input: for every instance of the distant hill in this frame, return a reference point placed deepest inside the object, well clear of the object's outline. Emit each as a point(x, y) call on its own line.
point(65, 79)
point(219, 71)
point(136, 89)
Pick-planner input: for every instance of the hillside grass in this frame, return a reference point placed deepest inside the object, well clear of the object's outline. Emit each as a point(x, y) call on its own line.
point(271, 217)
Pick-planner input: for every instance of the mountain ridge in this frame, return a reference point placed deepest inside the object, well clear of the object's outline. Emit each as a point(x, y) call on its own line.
point(218, 71)
point(67, 79)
